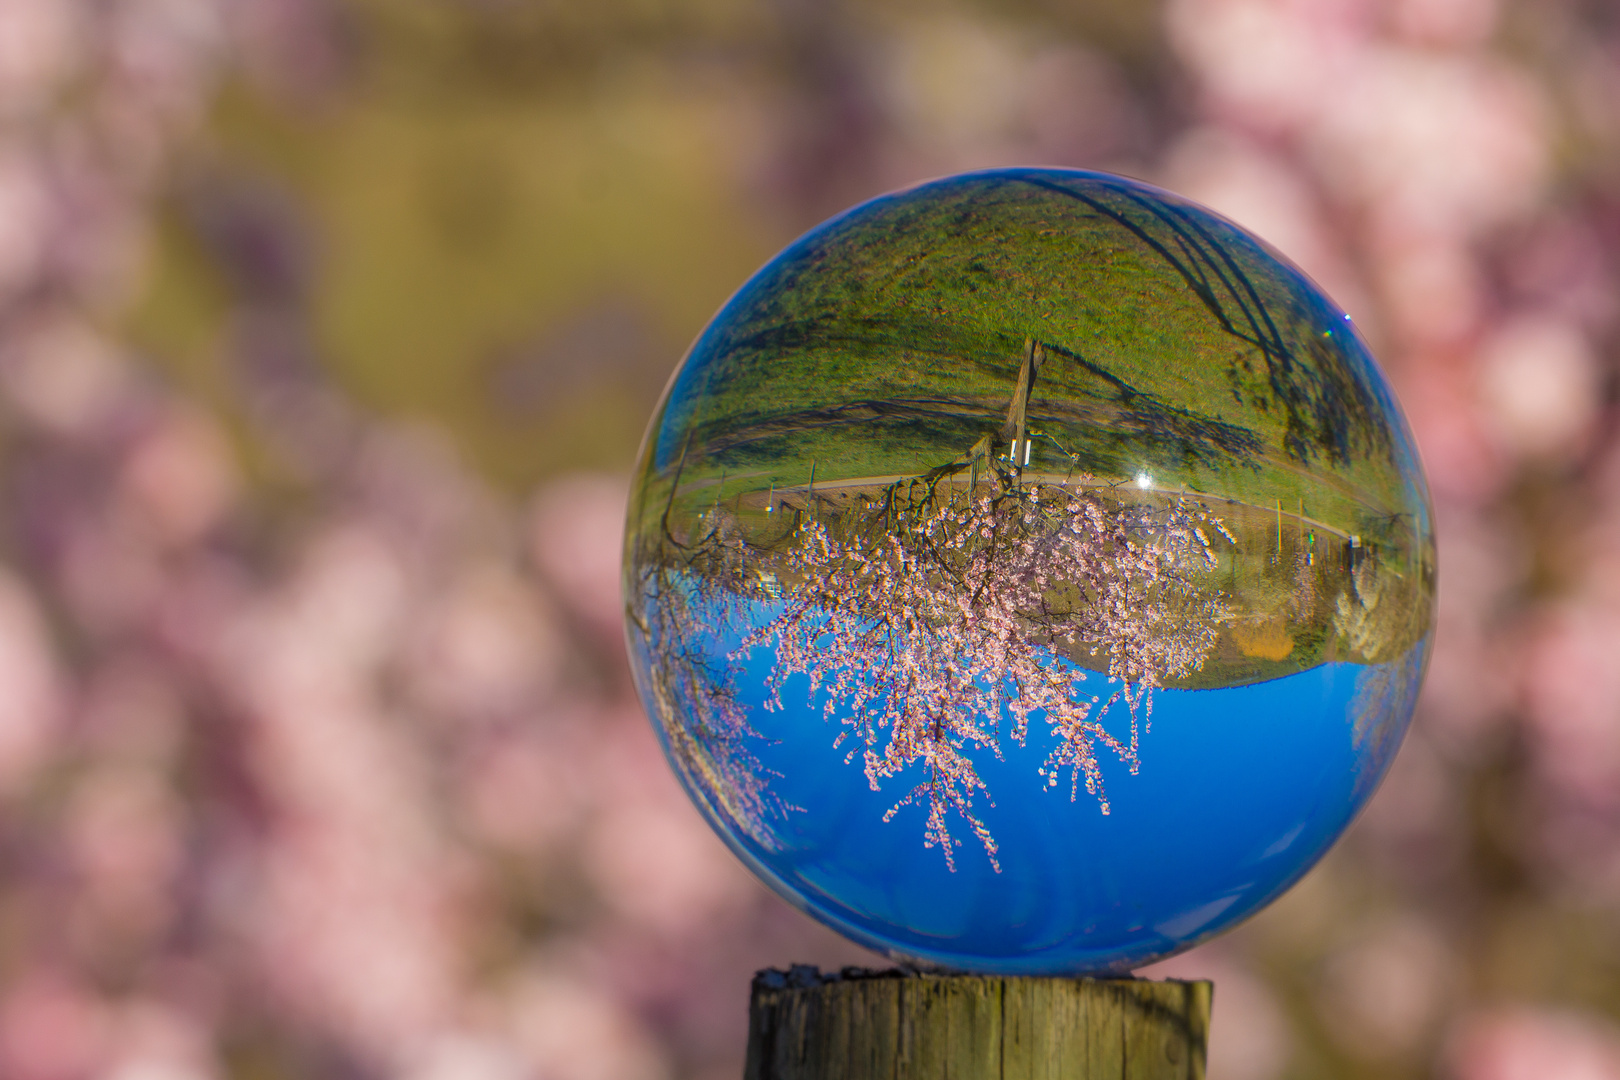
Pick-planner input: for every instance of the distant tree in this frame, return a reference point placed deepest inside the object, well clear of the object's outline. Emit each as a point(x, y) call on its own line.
point(688, 592)
point(960, 608)
point(926, 614)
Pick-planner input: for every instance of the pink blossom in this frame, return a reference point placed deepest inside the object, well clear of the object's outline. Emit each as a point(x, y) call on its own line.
point(921, 633)
point(1527, 1043)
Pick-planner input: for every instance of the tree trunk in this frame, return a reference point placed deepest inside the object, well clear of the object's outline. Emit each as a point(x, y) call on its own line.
point(864, 1025)
point(1015, 430)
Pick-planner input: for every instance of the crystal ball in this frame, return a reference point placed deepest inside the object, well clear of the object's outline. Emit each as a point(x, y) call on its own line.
point(1030, 572)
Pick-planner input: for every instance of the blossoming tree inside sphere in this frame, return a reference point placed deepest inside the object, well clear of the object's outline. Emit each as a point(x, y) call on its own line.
point(1029, 572)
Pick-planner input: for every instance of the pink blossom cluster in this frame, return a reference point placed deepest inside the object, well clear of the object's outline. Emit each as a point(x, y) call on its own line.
point(924, 627)
point(685, 597)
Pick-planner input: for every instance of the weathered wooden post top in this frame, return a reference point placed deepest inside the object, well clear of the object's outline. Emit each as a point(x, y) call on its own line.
point(1029, 575)
point(894, 1025)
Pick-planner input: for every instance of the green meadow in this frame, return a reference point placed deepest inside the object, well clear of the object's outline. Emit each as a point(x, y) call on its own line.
point(889, 340)
point(1179, 359)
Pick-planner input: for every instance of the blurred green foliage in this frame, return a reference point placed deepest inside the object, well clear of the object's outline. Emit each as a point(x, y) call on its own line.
point(522, 212)
point(465, 218)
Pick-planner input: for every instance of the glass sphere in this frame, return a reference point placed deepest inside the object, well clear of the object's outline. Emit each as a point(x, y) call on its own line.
point(1029, 572)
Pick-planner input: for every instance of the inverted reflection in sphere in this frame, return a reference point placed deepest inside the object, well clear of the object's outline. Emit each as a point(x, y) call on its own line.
point(1029, 572)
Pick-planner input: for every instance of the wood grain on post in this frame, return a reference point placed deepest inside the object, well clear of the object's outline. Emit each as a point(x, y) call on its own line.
point(863, 1025)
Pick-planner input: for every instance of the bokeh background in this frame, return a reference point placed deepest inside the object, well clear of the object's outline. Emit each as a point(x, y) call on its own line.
point(328, 329)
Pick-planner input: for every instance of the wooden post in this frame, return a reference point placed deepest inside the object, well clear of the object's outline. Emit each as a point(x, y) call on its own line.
point(1015, 430)
point(866, 1025)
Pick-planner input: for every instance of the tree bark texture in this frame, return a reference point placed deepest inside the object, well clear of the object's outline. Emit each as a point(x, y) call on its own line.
point(862, 1025)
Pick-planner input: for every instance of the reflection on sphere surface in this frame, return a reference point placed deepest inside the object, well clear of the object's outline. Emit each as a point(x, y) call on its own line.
point(1029, 572)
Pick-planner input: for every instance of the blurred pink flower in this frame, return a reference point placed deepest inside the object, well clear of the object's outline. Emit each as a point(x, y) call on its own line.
point(63, 375)
point(485, 647)
point(25, 214)
point(1540, 386)
point(179, 479)
point(647, 851)
point(1471, 685)
point(569, 1029)
point(1415, 826)
point(1443, 23)
point(51, 1027)
point(131, 714)
point(163, 51)
point(1433, 143)
point(1465, 466)
point(1525, 1043)
point(32, 693)
point(658, 864)
point(153, 1040)
point(577, 542)
point(1433, 289)
point(1272, 65)
point(526, 789)
point(354, 924)
point(1572, 685)
point(1382, 992)
point(41, 43)
point(122, 829)
point(467, 1056)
